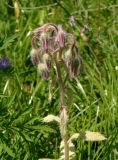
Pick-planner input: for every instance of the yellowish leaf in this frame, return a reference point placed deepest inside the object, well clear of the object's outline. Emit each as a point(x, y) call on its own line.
point(51, 118)
point(92, 136)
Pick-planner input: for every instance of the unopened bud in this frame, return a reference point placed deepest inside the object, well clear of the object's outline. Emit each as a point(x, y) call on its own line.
point(47, 60)
point(68, 54)
point(43, 40)
point(43, 71)
point(61, 37)
point(74, 68)
point(35, 56)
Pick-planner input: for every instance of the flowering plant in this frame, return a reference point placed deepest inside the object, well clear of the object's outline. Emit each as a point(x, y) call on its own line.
point(53, 47)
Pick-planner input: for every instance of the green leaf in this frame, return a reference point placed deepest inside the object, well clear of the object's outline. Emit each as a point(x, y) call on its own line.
point(27, 137)
point(22, 115)
point(1, 148)
point(8, 150)
point(26, 156)
point(7, 42)
point(33, 119)
point(43, 128)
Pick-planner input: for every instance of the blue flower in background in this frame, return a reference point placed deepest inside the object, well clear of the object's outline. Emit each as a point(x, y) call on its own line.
point(5, 62)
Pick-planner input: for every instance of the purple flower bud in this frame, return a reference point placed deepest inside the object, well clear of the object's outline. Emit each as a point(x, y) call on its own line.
point(70, 55)
point(35, 56)
point(44, 28)
point(47, 60)
point(60, 37)
point(72, 21)
point(43, 71)
point(5, 62)
point(85, 28)
point(73, 61)
point(51, 44)
point(74, 68)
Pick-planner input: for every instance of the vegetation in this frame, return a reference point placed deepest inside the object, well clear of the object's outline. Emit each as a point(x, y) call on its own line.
point(25, 98)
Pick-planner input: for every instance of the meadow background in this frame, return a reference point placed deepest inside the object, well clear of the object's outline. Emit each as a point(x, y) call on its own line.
point(24, 96)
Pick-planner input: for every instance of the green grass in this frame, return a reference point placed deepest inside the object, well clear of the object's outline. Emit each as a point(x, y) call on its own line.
point(24, 101)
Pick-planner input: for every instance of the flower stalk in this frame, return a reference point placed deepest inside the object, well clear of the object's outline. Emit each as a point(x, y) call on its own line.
point(63, 114)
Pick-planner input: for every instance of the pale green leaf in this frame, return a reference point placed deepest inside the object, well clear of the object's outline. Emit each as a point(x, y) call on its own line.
point(51, 118)
point(92, 136)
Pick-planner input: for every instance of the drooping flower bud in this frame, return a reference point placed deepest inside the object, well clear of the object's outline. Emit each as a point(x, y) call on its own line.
point(35, 56)
point(73, 61)
point(68, 56)
point(43, 40)
point(74, 68)
point(51, 44)
point(60, 37)
point(47, 60)
point(43, 71)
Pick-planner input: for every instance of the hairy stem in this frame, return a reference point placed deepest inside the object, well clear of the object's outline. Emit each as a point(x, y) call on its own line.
point(61, 84)
point(66, 148)
point(63, 113)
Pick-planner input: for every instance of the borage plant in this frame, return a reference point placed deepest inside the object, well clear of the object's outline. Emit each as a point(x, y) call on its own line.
point(53, 49)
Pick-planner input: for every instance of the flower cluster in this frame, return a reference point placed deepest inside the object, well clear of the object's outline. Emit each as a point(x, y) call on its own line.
point(52, 43)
